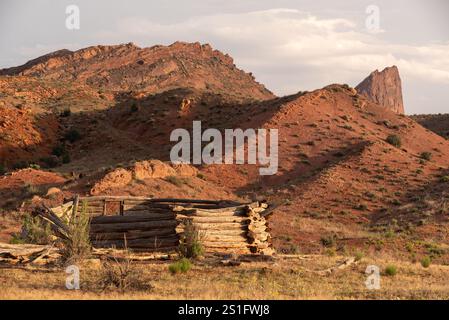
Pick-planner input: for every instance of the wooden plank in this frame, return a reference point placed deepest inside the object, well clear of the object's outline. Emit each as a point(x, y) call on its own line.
point(138, 243)
point(223, 238)
point(213, 219)
point(142, 212)
point(151, 240)
point(134, 234)
point(112, 227)
point(140, 207)
point(104, 208)
point(162, 200)
point(241, 245)
point(131, 218)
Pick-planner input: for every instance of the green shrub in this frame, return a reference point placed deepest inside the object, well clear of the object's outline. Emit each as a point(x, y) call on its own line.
point(2, 169)
point(183, 265)
point(391, 270)
point(175, 180)
point(34, 230)
point(444, 179)
point(66, 113)
point(59, 150)
point(121, 274)
point(426, 155)
point(190, 242)
point(50, 162)
point(20, 165)
point(77, 245)
point(201, 176)
point(72, 135)
point(358, 256)
point(328, 241)
point(66, 158)
point(425, 262)
point(394, 140)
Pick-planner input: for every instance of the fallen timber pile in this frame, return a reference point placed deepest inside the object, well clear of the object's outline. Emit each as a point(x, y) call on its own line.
point(146, 224)
point(26, 253)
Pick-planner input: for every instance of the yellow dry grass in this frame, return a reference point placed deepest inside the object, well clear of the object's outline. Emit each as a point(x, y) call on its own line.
point(291, 278)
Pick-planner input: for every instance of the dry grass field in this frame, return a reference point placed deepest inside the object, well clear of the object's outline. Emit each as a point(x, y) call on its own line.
point(282, 278)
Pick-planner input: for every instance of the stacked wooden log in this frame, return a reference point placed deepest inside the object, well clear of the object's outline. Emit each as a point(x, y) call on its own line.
point(147, 224)
point(239, 229)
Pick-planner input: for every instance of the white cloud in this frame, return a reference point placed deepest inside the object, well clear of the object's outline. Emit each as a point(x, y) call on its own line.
point(291, 40)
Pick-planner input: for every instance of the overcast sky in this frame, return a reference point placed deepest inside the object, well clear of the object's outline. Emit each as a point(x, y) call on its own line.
point(289, 45)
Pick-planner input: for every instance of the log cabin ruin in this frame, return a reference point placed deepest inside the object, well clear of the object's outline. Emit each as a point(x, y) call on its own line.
point(150, 225)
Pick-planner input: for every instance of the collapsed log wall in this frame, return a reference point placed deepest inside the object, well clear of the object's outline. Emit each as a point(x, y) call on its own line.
point(147, 224)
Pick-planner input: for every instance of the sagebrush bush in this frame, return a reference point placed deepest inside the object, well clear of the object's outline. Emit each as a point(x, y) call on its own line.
point(66, 113)
point(426, 155)
point(190, 243)
point(35, 230)
point(121, 274)
point(182, 265)
point(391, 270)
point(77, 245)
point(175, 180)
point(72, 135)
point(394, 140)
point(58, 150)
point(425, 262)
point(328, 241)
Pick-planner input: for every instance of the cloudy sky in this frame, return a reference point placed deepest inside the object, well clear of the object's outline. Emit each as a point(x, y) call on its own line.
point(289, 45)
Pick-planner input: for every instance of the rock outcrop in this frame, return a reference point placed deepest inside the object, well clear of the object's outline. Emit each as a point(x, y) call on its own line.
point(384, 88)
point(127, 67)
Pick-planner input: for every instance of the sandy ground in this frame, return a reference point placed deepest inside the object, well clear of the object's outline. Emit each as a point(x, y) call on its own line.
point(284, 278)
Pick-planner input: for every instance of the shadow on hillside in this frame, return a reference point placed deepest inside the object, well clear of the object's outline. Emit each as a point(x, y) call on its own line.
point(307, 170)
point(427, 204)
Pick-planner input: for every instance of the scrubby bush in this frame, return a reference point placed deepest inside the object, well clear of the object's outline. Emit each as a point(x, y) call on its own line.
point(425, 262)
point(444, 179)
point(66, 113)
point(59, 150)
point(426, 155)
point(134, 108)
point(50, 162)
point(20, 165)
point(190, 243)
point(34, 230)
point(119, 273)
point(328, 241)
point(394, 140)
point(72, 135)
point(66, 158)
point(358, 256)
point(2, 169)
point(183, 265)
point(391, 270)
point(175, 180)
point(77, 244)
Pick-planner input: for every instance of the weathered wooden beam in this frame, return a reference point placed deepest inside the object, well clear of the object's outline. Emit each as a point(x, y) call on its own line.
point(133, 234)
point(132, 218)
point(147, 225)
